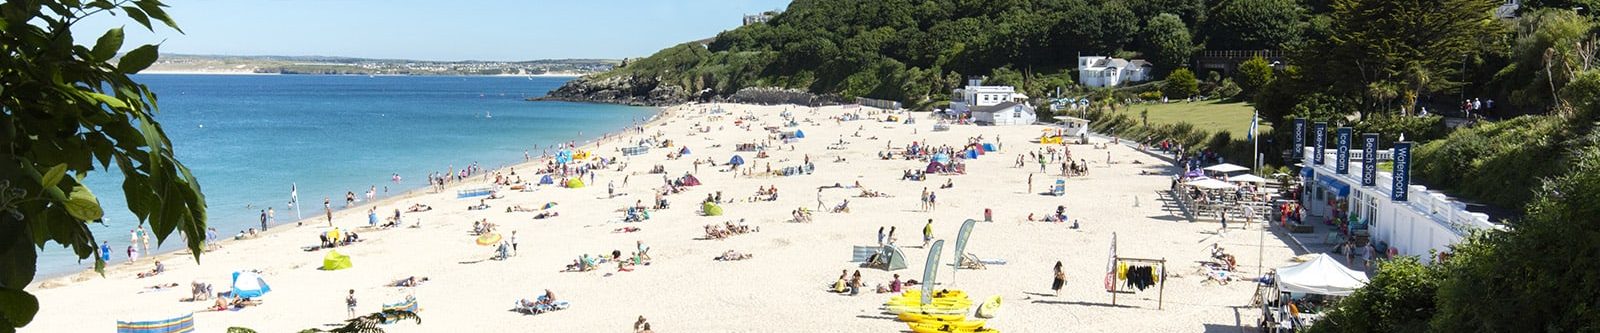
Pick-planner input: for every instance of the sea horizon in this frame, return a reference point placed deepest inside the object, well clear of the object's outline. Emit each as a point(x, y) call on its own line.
point(247, 138)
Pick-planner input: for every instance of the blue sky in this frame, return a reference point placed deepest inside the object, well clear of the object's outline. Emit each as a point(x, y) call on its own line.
point(435, 30)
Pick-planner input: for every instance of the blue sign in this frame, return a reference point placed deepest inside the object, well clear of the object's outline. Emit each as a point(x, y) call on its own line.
point(1369, 159)
point(1341, 140)
point(1299, 137)
point(1320, 141)
point(1402, 172)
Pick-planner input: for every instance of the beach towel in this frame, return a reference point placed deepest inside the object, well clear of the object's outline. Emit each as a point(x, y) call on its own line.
point(180, 324)
point(409, 304)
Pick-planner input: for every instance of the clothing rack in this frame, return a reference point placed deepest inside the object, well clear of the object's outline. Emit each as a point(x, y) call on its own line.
point(1111, 273)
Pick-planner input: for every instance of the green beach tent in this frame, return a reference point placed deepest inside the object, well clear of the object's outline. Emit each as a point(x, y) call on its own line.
point(711, 209)
point(574, 183)
point(335, 261)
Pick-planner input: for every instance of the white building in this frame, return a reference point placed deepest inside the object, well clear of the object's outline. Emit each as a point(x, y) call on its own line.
point(1097, 71)
point(1427, 221)
point(757, 18)
point(975, 95)
point(1007, 113)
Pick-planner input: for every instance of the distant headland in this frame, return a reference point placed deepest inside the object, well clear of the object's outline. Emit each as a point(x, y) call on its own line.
point(324, 65)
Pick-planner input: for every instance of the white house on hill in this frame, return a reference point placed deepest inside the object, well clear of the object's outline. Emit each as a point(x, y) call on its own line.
point(975, 95)
point(1098, 71)
point(1008, 113)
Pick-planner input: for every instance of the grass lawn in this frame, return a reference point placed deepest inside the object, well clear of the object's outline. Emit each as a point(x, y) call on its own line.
point(1209, 116)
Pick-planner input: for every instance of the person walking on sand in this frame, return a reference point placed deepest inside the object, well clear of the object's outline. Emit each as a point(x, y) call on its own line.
point(819, 199)
point(327, 206)
point(891, 235)
point(263, 220)
point(350, 303)
point(144, 238)
point(1060, 279)
point(924, 199)
point(927, 233)
point(513, 242)
point(933, 201)
point(272, 218)
point(1030, 183)
point(880, 236)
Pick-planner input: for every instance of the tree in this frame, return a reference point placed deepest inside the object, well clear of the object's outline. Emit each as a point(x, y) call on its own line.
point(1181, 84)
point(1166, 42)
point(1398, 299)
point(63, 108)
point(1545, 38)
point(1371, 44)
point(1253, 74)
point(1253, 24)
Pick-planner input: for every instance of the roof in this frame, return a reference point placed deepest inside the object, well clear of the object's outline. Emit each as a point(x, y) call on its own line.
point(1140, 63)
point(1000, 107)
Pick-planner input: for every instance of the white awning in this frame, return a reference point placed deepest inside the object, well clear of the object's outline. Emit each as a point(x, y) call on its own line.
point(1246, 178)
point(1226, 167)
point(1322, 275)
point(1211, 184)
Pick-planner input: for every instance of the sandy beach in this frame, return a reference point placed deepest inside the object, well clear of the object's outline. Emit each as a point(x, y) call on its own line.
point(780, 289)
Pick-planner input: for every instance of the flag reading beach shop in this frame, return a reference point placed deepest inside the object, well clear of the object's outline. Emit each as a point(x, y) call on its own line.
point(1369, 159)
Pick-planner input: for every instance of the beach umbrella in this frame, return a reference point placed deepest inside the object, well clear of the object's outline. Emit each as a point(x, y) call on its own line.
point(1226, 168)
point(1247, 178)
point(1210, 184)
point(489, 239)
point(249, 285)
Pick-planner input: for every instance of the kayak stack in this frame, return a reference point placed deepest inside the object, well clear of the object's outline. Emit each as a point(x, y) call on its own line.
point(946, 312)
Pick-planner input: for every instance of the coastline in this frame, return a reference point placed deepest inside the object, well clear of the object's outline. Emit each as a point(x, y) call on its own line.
point(684, 288)
point(65, 278)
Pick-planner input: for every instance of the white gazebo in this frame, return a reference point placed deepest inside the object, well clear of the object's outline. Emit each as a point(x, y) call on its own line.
point(1321, 276)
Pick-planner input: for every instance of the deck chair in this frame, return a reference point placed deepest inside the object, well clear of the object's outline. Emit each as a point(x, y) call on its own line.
point(970, 261)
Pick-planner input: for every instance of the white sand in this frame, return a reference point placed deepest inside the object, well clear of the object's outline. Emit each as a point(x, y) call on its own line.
point(779, 290)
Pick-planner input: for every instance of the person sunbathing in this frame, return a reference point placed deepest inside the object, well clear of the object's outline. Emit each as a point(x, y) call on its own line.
point(410, 281)
point(419, 208)
point(154, 271)
point(161, 287)
point(732, 255)
point(544, 215)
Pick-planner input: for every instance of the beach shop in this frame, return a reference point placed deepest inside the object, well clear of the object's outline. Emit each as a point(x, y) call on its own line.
point(1369, 205)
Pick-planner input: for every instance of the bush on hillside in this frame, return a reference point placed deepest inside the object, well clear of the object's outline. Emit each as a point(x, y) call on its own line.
point(1500, 163)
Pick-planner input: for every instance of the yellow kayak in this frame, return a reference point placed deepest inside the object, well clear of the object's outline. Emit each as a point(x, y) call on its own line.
point(939, 325)
point(922, 317)
point(943, 310)
point(989, 307)
point(918, 301)
point(936, 293)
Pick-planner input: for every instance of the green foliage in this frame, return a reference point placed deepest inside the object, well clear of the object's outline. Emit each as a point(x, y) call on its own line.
point(1499, 163)
point(1416, 129)
point(1150, 95)
point(1252, 75)
point(1382, 51)
point(1399, 298)
point(1228, 90)
point(1539, 275)
point(1323, 108)
point(240, 330)
point(371, 323)
point(1253, 24)
point(1181, 84)
point(1166, 42)
point(65, 107)
point(1544, 37)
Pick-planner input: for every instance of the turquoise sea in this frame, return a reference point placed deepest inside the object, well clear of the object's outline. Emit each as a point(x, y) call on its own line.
point(249, 137)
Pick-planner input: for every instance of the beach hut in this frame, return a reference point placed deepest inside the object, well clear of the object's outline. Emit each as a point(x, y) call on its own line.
point(736, 161)
point(335, 261)
point(546, 180)
point(180, 324)
point(889, 259)
point(711, 209)
point(575, 182)
point(249, 285)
